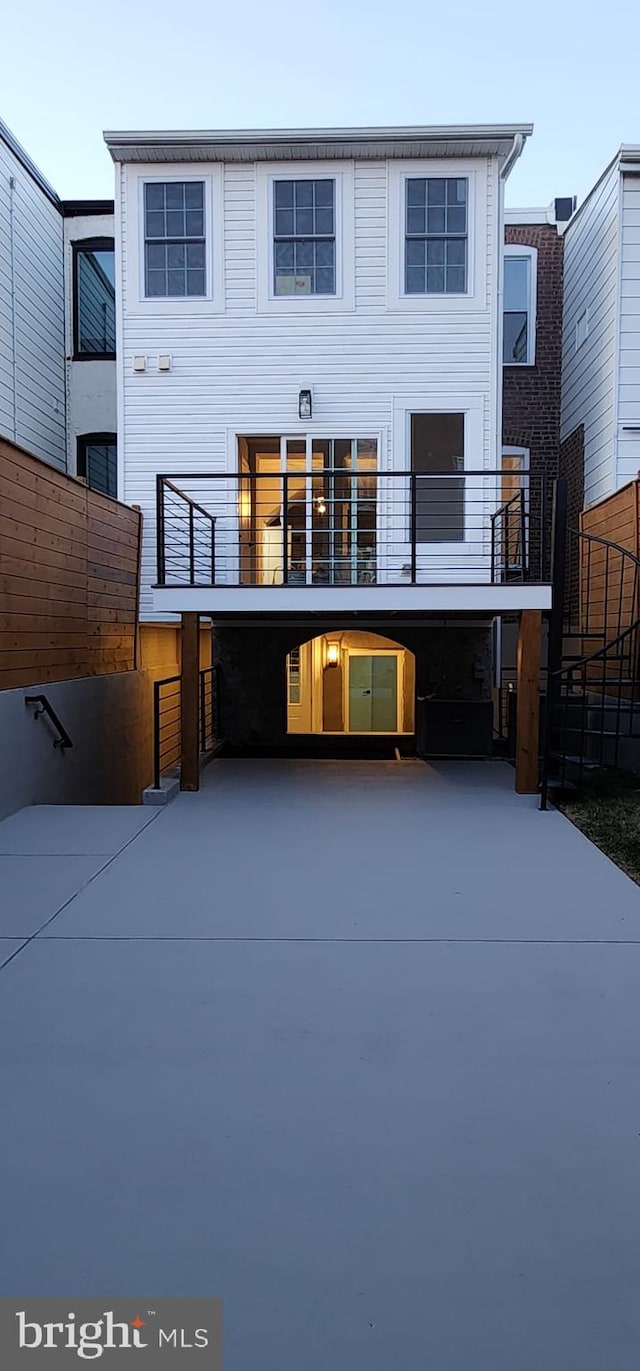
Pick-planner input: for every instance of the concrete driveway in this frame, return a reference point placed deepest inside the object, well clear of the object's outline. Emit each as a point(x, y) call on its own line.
point(354, 1046)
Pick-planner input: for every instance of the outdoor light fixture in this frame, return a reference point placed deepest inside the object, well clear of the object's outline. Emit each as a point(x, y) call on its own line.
point(304, 404)
point(333, 654)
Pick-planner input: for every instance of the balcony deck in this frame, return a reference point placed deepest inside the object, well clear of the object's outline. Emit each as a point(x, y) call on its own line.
point(339, 541)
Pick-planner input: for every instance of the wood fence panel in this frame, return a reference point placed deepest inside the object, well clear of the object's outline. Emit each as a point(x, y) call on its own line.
point(69, 576)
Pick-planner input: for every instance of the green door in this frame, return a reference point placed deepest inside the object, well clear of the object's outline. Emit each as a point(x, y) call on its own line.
point(373, 694)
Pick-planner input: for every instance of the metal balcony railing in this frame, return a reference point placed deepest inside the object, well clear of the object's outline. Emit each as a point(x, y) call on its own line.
point(351, 528)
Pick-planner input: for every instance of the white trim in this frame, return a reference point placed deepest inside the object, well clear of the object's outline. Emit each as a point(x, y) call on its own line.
point(477, 248)
point(525, 217)
point(342, 173)
point(213, 302)
point(119, 362)
point(531, 256)
point(486, 599)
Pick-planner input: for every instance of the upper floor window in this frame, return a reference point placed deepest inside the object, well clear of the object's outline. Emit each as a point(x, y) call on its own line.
point(174, 239)
point(97, 462)
point(94, 298)
point(304, 237)
point(519, 324)
point(436, 227)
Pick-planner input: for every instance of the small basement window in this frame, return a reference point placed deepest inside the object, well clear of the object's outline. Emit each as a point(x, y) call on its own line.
point(97, 462)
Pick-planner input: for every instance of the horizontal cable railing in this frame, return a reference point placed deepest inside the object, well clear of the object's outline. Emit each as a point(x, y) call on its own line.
point(339, 527)
point(167, 720)
point(167, 727)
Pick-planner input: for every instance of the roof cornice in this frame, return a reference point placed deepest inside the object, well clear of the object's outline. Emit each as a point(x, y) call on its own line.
point(244, 145)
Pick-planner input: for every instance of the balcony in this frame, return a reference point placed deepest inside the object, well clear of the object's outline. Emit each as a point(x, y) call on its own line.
point(331, 540)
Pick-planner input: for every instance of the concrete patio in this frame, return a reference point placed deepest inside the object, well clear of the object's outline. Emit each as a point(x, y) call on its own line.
point(354, 1046)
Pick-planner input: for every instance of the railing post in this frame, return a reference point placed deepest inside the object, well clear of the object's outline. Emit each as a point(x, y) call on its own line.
point(213, 552)
point(414, 516)
point(523, 535)
point(192, 548)
point(160, 528)
point(285, 530)
point(556, 625)
point(558, 575)
point(203, 713)
point(189, 701)
point(156, 734)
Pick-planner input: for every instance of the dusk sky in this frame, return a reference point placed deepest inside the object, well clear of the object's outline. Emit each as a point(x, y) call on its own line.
point(70, 71)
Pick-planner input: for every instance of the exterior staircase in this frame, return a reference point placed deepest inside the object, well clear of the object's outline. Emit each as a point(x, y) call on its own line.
point(593, 686)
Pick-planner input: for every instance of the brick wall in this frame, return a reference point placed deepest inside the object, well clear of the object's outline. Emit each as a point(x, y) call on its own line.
point(531, 395)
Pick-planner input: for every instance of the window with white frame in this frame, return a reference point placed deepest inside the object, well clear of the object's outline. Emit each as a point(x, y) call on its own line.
point(174, 239)
point(304, 236)
point(519, 306)
point(436, 230)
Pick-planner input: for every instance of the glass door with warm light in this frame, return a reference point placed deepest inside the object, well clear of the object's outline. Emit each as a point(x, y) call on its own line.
point(341, 511)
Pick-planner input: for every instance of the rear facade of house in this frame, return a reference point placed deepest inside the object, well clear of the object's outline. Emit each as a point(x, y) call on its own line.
point(310, 345)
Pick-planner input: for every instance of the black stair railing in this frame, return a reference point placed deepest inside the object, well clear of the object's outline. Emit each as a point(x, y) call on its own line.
point(593, 681)
point(42, 706)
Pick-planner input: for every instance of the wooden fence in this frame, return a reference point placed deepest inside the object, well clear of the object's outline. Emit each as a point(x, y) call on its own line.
point(608, 582)
point(69, 576)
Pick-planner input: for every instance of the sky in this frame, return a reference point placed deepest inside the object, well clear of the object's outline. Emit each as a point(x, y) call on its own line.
point(71, 70)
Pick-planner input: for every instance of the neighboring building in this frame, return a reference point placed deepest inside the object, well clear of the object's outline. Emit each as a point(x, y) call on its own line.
point(310, 350)
point(532, 338)
point(57, 322)
point(532, 358)
point(32, 344)
point(601, 334)
point(90, 314)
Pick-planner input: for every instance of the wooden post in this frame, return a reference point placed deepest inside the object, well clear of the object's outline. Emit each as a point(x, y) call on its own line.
point(189, 703)
point(528, 702)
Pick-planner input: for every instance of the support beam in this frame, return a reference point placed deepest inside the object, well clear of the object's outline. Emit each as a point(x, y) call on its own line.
point(528, 702)
point(189, 703)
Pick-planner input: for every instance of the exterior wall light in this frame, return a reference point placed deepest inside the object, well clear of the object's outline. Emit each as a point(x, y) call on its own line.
point(333, 654)
point(304, 405)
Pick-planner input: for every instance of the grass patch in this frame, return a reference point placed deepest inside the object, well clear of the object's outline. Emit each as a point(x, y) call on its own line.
point(606, 809)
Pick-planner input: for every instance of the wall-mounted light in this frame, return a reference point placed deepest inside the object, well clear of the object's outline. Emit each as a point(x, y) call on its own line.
point(304, 405)
point(321, 505)
point(333, 654)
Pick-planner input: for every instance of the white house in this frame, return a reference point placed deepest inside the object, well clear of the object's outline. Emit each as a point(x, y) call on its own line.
point(57, 322)
point(309, 342)
point(601, 331)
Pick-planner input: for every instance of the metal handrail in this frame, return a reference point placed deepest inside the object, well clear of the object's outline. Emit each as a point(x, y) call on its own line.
point(167, 741)
point(63, 740)
point(221, 551)
point(579, 672)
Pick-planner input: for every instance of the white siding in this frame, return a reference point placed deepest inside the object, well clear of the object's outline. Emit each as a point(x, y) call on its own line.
point(32, 376)
point(629, 365)
point(238, 370)
point(588, 373)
